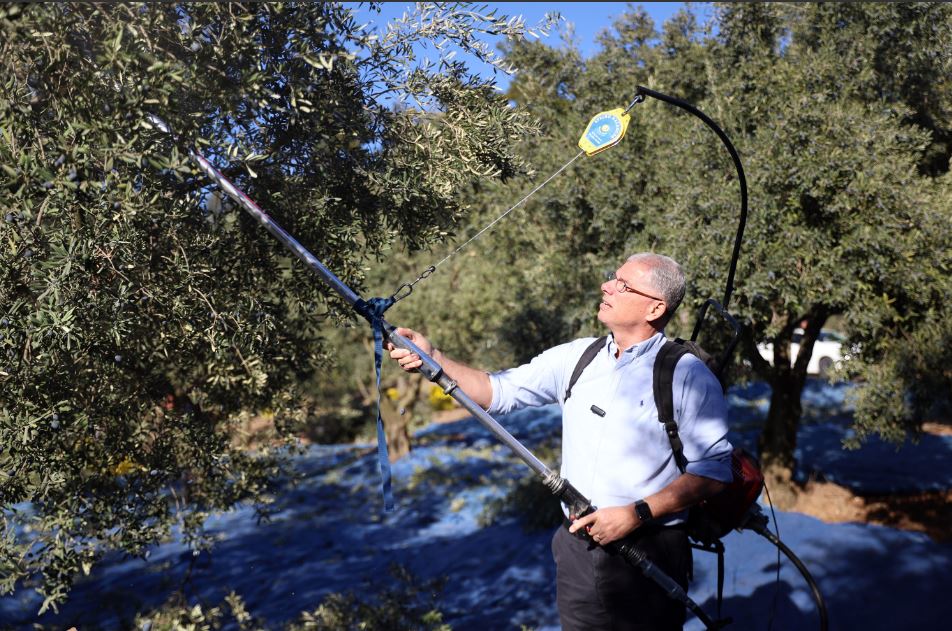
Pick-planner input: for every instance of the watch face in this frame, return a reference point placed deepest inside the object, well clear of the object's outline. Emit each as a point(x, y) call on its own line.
point(643, 510)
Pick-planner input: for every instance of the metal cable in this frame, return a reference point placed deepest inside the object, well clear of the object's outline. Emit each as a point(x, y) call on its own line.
point(397, 295)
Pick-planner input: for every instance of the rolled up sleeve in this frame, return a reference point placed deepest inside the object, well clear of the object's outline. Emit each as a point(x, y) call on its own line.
point(540, 382)
point(702, 420)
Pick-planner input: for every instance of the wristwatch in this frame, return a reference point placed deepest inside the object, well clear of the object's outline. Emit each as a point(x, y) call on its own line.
point(643, 511)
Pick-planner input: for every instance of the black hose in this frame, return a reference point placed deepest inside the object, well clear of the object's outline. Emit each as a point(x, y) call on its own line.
point(762, 530)
point(742, 180)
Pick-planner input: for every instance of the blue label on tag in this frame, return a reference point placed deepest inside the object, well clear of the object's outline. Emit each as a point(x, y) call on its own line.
point(603, 130)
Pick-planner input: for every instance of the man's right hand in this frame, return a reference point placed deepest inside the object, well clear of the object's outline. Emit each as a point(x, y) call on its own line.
point(410, 361)
point(474, 382)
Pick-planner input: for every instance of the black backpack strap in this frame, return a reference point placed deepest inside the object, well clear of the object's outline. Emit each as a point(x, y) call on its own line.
point(709, 360)
point(663, 383)
point(584, 361)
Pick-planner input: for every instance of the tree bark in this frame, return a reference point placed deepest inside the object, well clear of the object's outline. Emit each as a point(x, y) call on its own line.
point(397, 415)
point(778, 440)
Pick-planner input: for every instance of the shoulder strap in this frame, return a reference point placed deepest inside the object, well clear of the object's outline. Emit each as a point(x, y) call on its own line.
point(663, 384)
point(584, 361)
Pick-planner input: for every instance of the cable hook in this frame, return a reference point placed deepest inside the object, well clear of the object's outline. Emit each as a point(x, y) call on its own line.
point(397, 295)
point(639, 98)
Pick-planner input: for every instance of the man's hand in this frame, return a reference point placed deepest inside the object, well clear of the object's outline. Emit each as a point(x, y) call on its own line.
point(473, 382)
point(407, 360)
point(608, 524)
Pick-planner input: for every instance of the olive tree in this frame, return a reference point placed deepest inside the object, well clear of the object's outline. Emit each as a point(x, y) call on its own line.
point(140, 311)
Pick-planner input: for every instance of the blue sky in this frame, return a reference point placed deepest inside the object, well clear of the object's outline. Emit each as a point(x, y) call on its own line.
point(588, 19)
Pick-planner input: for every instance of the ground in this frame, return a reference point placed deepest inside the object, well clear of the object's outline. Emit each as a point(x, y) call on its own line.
point(929, 512)
point(328, 534)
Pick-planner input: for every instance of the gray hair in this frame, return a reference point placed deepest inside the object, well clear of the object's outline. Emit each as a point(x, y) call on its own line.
point(666, 277)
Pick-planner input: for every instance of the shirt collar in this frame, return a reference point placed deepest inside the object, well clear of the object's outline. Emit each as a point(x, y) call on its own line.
point(636, 351)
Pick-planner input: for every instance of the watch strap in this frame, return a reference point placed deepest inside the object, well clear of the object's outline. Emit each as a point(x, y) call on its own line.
point(643, 511)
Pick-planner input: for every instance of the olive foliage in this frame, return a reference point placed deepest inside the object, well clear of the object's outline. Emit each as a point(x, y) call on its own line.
point(141, 311)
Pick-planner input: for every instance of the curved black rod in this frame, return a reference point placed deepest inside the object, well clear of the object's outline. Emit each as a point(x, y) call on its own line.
point(643, 91)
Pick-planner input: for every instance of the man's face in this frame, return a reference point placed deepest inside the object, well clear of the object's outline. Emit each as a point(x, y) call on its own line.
point(622, 309)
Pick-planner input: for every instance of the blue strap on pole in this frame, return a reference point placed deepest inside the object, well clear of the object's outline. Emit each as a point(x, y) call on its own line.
point(376, 310)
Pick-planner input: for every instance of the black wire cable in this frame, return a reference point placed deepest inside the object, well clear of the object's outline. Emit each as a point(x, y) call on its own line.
point(776, 595)
point(762, 530)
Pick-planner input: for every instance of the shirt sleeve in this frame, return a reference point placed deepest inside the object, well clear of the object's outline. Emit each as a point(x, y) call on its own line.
point(702, 420)
point(540, 382)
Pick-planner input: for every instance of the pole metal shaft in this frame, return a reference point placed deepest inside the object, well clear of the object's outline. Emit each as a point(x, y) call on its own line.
point(434, 372)
point(430, 369)
point(271, 226)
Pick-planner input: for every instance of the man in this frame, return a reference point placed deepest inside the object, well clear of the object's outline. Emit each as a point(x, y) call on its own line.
point(614, 450)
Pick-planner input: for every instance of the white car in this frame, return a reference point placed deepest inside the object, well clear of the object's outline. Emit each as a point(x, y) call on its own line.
point(827, 351)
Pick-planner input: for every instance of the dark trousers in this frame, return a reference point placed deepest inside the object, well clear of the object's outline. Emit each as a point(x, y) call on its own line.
point(597, 590)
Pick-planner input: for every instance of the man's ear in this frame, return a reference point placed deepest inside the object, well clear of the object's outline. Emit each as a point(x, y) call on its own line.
point(657, 312)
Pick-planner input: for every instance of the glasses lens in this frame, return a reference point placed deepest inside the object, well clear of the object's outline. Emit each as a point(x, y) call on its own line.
point(619, 283)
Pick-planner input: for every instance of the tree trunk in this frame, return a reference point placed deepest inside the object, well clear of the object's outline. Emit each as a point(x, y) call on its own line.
point(395, 426)
point(397, 415)
point(787, 378)
point(779, 439)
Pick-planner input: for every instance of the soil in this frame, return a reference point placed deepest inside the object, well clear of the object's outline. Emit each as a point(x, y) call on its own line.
point(929, 512)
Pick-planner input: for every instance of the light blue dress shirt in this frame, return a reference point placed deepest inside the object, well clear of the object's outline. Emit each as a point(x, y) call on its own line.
point(625, 455)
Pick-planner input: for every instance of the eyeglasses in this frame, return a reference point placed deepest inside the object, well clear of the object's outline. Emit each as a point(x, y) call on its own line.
point(621, 285)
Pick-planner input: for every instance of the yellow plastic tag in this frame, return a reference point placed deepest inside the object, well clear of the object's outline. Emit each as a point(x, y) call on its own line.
point(605, 130)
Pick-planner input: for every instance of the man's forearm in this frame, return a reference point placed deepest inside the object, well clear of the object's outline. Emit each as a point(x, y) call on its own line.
point(614, 522)
point(683, 493)
point(473, 382)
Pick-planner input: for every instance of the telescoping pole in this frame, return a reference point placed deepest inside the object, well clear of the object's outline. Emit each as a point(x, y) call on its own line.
point(578, 504)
